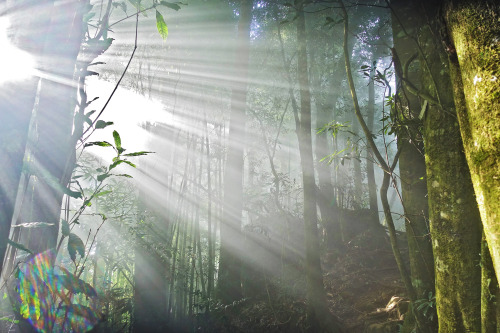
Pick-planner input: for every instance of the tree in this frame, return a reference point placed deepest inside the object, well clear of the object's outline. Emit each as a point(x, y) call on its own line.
point(54, 150)
point(229, 282)
point(471, 38)
point(412, 166)
point(317, 311)
point(454, 218)
point(16, 105)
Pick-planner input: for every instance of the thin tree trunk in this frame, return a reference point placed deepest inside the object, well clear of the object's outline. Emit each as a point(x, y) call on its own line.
point(229, 284)
point(411, 161)
point(370, 170)
point(210, 234)
point(388, 170)
point(319, 317)
point(357, 202)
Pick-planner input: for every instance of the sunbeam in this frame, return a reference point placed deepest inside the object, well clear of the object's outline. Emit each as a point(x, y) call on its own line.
point(15, 64)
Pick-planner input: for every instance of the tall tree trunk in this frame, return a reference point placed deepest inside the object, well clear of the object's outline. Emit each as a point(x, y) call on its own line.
point(411, 161)
point(453, 213)
point(229, 283)
point(150, 285)
point(318, 314)
point(325, 111)
point(357, 201)
point(54, 151)
point(210, 238)
point(370, 170)
point(16, 105)
point(474, 50)
point(150, 278)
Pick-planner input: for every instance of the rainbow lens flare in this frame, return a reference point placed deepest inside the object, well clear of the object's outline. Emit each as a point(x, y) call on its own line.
point(46, 296)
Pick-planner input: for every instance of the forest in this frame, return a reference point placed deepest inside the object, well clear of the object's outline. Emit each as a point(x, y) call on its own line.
point(250, 166)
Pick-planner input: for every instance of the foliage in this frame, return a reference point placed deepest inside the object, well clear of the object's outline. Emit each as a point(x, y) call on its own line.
point(427, 306)
point(45, 293)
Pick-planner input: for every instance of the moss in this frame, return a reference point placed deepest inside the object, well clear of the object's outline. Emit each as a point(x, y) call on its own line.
point(475, 31)
point(454, 218)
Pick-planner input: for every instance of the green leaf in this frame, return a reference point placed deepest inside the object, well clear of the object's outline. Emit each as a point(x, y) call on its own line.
point(102, 193)
point(74, 284)
point(78, 317)
point(65, 228)
point(88, 16)
point(122, 5)
point(137, 5)
point(130, 163)
point(118, 142)
point(97, 47)
point(95, 64)
point(139, 153)
point(102, 124)
point(19, 246)
point(170, 5)
point(100, 178)
point(118, 162)
point(73, 194)
point(124, 175)
point(10, 320)
point(99, 143)
point(75, 244)
point(161, 25)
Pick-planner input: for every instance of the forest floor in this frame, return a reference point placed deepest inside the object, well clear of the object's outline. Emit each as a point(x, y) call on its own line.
point(364, 291)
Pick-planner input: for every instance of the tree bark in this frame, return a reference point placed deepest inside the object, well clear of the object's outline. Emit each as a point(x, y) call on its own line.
point(412, 161)
point(16, 105)
point(318, 315)
point(370, 170)
point(229, 281)
point(357, 202)
point(454, 217)
point(474, 52)
point(325, 111)
point(54, 151)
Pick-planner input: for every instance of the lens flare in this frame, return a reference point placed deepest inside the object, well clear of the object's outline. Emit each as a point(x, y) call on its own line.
point(46, 297)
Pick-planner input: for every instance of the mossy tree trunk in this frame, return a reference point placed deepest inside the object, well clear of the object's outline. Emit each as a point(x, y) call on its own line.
point(454, 217)
point(490, 293)
point(474, 46)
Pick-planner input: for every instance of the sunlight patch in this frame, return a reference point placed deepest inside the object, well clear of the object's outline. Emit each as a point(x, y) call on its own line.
point(15, 64)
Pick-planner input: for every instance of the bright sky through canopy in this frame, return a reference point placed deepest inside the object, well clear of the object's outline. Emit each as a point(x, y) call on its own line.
point(15, 64)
